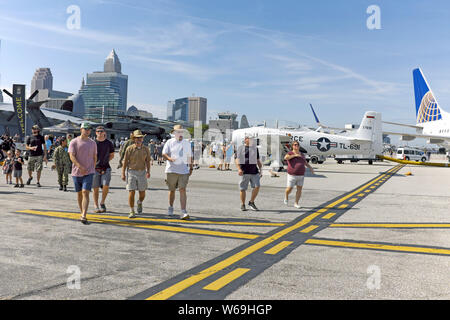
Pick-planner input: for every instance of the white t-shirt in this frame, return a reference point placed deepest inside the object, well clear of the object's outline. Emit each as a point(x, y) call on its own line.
point(181, 152)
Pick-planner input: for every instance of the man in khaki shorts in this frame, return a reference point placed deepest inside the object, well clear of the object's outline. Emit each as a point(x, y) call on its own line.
point(177, 151)
point(137, 163)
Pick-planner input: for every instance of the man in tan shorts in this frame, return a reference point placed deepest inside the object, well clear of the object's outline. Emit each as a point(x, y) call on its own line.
point(177, 151)
point(137, 163)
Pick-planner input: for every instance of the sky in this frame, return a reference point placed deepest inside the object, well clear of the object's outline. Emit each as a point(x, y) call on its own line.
point(263, 58)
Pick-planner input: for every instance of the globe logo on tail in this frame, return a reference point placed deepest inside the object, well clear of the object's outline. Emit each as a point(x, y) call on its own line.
point(429, 109)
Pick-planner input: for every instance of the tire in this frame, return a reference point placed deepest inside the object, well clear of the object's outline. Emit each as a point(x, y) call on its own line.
point(340, 161)
point(314, 160)
point(319, 162)
point(407, 158)
point(423, 159)
point(370, 161)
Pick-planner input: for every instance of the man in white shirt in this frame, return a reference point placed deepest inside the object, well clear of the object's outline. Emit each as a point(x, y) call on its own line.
point(178, 154)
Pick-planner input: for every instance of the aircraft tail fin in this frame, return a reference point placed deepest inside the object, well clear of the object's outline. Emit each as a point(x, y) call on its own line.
point(427, 107)
point(370, 130)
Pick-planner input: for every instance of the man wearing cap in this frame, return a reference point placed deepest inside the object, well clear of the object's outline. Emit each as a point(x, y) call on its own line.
point(137, 163)
point(83, 154)
point(102, 176)
point(177, 151)
point(35, 144)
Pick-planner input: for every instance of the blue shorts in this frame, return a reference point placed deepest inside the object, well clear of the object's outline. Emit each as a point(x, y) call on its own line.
point(83, 183)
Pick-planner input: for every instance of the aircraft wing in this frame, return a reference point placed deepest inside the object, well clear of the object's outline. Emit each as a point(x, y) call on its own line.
point(411, 136)
point(403, 125)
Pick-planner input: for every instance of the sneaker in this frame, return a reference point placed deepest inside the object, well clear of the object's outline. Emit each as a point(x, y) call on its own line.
point(65, 188)
point(243, 208)
point(103, 207)
point(29, 181)
point(297, 205)
point(184, 215)
point(139, 207)
point(170, 211)
point(38, 185)
point(97, 210)
point(16, 186)
point(132, 214)
point(60, 187)
point(286, 201)
point(21, 186)
point(252, 206)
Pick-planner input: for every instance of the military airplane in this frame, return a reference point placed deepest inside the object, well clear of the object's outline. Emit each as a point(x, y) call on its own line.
point(366, 140)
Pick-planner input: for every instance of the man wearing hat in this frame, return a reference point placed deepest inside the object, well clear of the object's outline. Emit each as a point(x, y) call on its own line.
point(83, 154)
point(35, 144)
point(177, 151)
point(137, 163)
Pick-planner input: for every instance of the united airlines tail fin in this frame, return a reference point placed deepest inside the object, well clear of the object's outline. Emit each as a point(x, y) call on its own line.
point(427, 107)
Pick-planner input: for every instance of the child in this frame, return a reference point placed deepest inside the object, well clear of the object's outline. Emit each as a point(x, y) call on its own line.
point(8, 167)
point(18, 162)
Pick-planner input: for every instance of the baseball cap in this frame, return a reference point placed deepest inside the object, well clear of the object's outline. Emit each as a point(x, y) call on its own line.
point(85, 125)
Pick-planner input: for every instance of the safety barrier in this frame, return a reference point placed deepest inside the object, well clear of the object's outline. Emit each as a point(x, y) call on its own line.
point(420, 163)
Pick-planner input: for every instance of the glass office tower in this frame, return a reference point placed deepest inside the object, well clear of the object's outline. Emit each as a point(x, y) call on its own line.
point(105, 93)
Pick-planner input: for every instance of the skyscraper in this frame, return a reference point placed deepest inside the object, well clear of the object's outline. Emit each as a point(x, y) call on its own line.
point(190, 109)
point(105, 92)
point(170, 106)
point(42, 79)
point(43, 82)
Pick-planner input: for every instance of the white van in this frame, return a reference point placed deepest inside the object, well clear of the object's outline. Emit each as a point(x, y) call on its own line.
point(412, 154)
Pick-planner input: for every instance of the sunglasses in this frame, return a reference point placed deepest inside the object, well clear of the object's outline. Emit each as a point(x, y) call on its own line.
point(100, 131)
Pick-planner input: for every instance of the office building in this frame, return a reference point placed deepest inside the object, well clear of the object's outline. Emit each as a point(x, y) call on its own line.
point(189, 109)
point(43, 82)
point(170, 106)
point(105, 92)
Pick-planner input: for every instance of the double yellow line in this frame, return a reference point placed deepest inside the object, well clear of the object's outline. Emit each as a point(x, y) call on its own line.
point(192, 280)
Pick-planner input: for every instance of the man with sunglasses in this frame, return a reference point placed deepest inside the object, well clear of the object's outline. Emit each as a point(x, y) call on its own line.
point(83, 154)
point(102, 175)
point(35, 144)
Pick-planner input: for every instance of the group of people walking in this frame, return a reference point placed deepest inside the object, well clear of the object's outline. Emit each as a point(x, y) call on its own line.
point(88, 162)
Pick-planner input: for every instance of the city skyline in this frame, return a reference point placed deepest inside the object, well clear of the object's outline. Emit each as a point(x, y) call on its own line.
point(265, 60)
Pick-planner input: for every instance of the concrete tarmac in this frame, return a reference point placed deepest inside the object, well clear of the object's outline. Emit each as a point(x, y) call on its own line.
point(391, 242)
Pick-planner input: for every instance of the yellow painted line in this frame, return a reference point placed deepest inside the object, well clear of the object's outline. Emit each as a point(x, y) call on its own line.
point(328, 216)
point(76, 216)
point(186, 283)
point(378, 246)
point(226, 279)
point(237, 223)
point(391, 225)
point(278, 247)
point(309, 229)
point(353, 199)
point(340, 200)
point(367, 191)
point(190, 281)
point(361, 195)
point(342, 206)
